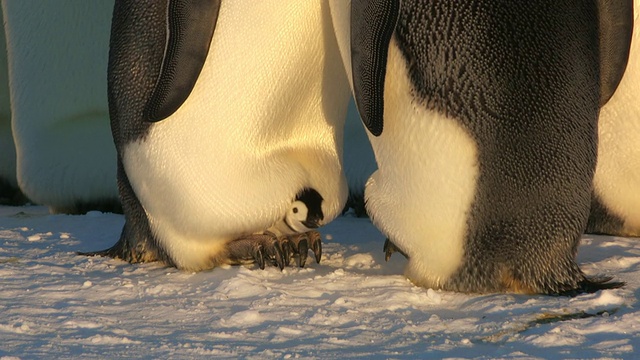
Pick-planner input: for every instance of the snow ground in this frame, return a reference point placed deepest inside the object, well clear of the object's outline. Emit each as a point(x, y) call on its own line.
point(55, 304)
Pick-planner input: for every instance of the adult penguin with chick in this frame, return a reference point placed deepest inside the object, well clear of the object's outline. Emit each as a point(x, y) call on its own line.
point(482, 116)
point(225, 114)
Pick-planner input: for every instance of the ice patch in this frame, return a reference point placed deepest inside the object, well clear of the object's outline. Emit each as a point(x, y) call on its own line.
point(434, 296)
point(10, 235)
point(18, 328)
point(605, 298)
point(342, 308)
point(289, 331)
point(360, 261)
point(614, 345)
point(109, 340)
point(557, 337)
point(625, 262)
point(247, 318)
point(79, 324)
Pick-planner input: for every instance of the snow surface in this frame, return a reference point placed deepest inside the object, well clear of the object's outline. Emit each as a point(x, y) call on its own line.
point(55, 304)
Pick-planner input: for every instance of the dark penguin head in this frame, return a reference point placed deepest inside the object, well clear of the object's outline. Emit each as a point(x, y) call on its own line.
point(306, 211)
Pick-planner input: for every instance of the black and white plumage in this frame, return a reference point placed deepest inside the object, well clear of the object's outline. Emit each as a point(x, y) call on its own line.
point(222, 111)
point(304, 214)
point(482, 117)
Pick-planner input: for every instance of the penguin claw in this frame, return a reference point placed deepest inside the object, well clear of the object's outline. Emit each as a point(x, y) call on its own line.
point(390, 248)
point(258, 255)
point(287, 250)
point(267, 248)
point(316, 244)
point(305, 241)
point(261, 249)
point(303, 248)
point(298, 246)
point(277, 255)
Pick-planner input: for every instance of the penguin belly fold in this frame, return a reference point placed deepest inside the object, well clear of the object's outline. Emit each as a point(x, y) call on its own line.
point(262, 121)
point(486, 142)
point(616, 200)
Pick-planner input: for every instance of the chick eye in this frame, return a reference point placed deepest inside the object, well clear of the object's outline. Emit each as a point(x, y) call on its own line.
point(295, 210)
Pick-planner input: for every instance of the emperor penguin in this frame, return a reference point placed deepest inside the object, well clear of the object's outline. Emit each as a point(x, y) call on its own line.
point(615, 208)
point(9, 192)
point(57, 61)
point(223, 113)
point(482, 116)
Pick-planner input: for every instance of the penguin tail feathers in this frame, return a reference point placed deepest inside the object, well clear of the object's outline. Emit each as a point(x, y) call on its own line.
point(115, 251)
point(595, 283)
point(592, 284)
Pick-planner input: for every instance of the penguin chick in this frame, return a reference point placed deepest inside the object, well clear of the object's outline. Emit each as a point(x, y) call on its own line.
point(304, 214)
point(221, 125)
point(295, 230)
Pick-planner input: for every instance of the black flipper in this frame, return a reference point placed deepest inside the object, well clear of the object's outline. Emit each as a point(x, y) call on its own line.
point(616, 28)
point(372, 25)
point(190, 25)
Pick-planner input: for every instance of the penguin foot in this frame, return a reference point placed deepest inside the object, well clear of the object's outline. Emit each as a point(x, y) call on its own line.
point(390, 248)
point(298, 246)
point(132, 248)
point(267, 248)
point(259, 248)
